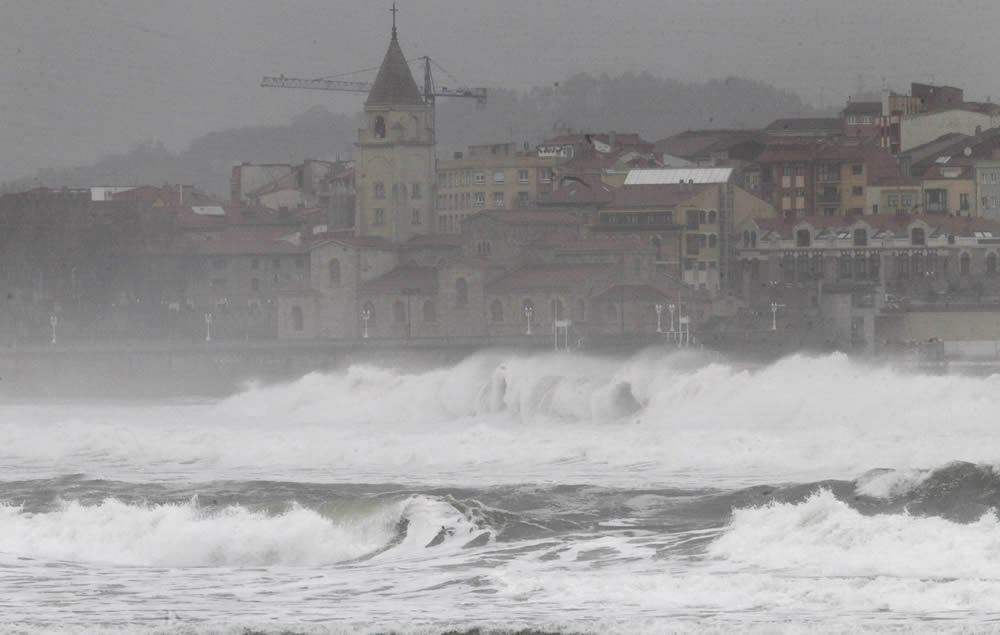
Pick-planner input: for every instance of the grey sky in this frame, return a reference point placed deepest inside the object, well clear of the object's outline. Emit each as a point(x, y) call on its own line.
point(88, 77)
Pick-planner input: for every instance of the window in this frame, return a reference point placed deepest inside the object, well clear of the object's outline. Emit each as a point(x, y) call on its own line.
point(711, 217)
point(379, 217)
point(498, 200)
point(693, 244)
point(218, 263)
point(557, 309)
point(991, 264)
point(334, 267)
point(484, 247)
point(860, 238)
point(965, 264)
point(545, 175)
point(712, 240)
point(828, 172)
point(857, 169)
point(857, 190)
point(963, 201)
point(379, 189)
point(611, 311)
point(917, 236)
point(496, 311)
point(522, 199)
point(829, 211)
point(522, 176)
point(855, 211)
point(746, 239)
point(415, 190)
point(298, 320)
point(906, 200)
point(498, 176)
point(480, 178)
point(844, 268)
point(802, 238)
point(415, 217)
point(461, 293)
point(480, 199)
point(379, 127)
point(398, 312)
point(892, 200)
point(788, 170)
point(692, 219)
point(430, 311)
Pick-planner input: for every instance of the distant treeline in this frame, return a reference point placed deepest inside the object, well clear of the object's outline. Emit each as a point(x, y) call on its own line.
point(652, 106)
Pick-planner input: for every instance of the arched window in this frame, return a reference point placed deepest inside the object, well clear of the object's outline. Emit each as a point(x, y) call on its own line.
point(753, 240)
point(702, 216)
point(711, 217)
point(398, 312)
point(712, 240)
point(369, 310)
point(746, 239)
point(991, 263)
point(461, 292)
point(430, 311)
point(334, 271)
point(557, 309)
point(496, 311)
point(965, 264)
point(298, 320)
point(380, 127)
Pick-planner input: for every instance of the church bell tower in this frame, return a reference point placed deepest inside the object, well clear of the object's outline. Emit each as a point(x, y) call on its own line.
point(394, 170)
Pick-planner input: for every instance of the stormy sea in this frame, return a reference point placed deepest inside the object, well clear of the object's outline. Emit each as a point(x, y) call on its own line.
point(656, 492)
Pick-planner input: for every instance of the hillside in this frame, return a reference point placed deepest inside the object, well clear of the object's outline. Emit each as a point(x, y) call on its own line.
point(652, 106)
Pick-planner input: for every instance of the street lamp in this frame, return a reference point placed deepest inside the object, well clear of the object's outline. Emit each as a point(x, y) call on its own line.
point(774, 315)
point(366, 315)
point(208, 327)
point(528, 312)
point(53, 321)
point(659, 311)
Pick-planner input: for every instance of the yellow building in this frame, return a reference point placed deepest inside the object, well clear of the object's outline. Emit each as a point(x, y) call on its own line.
point(497, 176)
point(949, 189)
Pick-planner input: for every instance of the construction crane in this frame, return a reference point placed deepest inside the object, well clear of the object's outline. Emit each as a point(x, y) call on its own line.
point(430, 90)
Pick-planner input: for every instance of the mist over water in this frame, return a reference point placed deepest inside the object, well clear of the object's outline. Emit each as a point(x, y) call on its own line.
point(661, 491)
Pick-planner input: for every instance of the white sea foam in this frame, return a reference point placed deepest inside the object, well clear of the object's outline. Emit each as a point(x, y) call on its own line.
point(823, 536)
point(502, 417)
point(191, 535)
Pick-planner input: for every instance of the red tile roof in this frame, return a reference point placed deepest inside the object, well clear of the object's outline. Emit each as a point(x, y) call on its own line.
point(422, 280)
point(531, 217)
point(547, 277)
point(434, 241)
point(632, 293)
point(668, 195)
point(248, 240)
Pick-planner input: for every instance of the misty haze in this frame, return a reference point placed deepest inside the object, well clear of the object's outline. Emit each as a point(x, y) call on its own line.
point(499, 317)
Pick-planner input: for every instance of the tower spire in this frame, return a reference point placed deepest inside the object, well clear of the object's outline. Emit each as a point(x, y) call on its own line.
point(394, 10)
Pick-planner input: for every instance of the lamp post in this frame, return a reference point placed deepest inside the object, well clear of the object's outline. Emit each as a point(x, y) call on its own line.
point(53, 321)
point(774, 315)
point(528, 312)
point(659, 312)
point(208, 327)
point(366, 315)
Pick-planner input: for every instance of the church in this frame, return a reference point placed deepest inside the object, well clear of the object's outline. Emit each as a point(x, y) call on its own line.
point(511, 276)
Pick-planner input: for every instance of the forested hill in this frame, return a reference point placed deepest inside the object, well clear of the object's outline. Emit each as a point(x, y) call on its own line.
point(642, 103)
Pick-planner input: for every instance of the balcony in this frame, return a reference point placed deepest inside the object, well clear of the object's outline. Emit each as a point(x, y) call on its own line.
point(828, 197)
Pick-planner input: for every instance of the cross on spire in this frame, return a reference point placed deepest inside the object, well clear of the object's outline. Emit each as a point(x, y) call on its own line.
point(394, 10)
